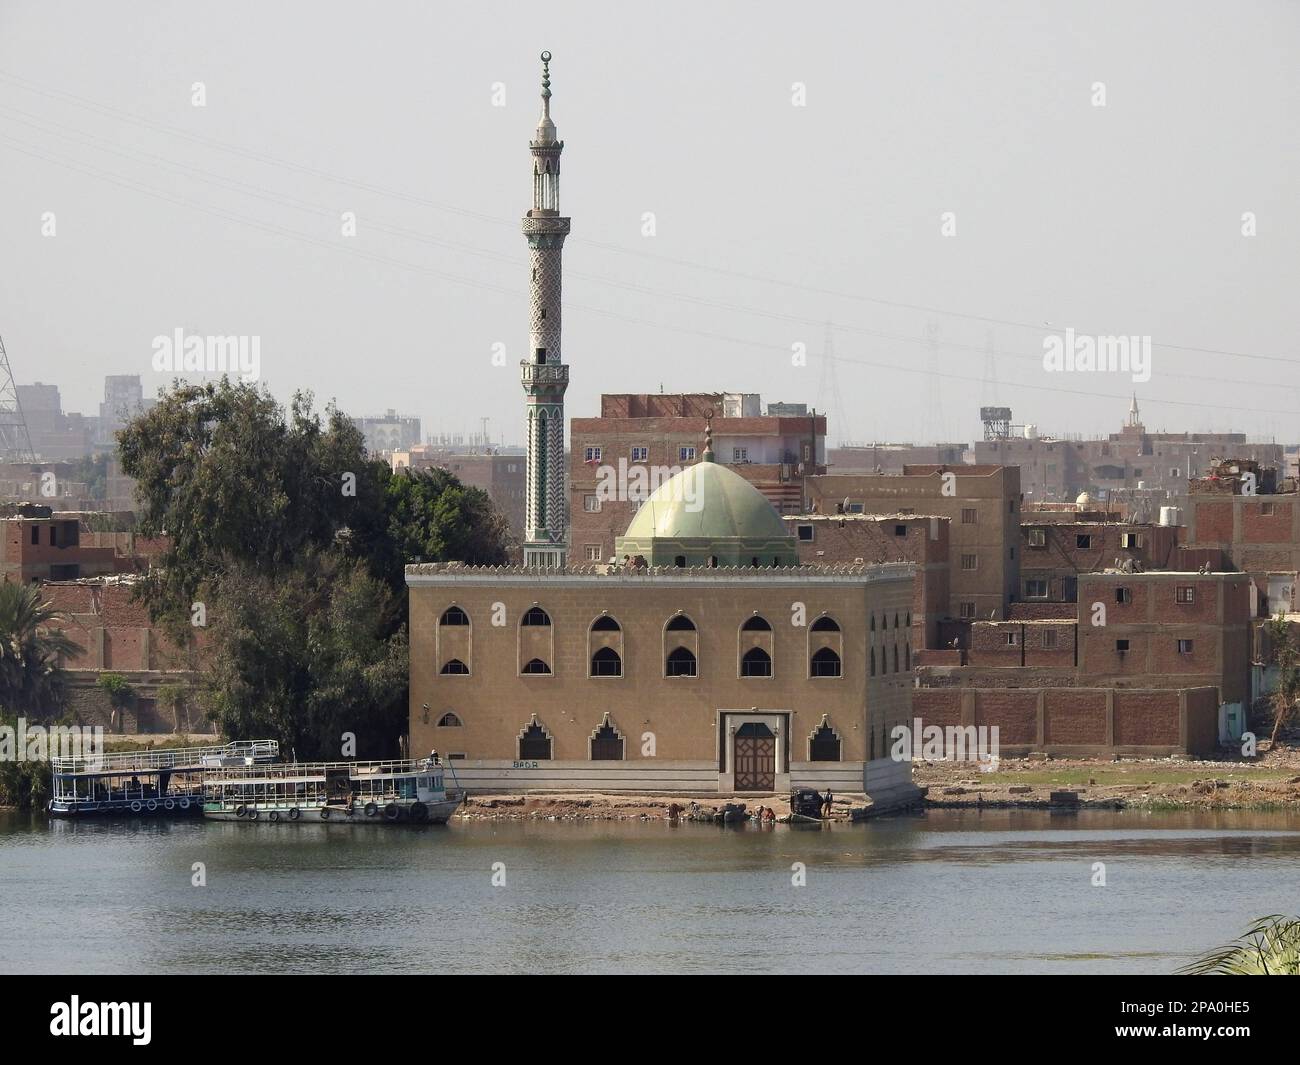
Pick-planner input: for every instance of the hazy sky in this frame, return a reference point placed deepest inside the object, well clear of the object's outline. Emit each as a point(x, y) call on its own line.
point(770, 218)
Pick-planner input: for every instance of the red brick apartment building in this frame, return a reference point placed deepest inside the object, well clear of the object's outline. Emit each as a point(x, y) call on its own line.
point(1055, 555)
point(775, 453)
point(38, 544)
point(1154, 634)
point(982, 505)
point(1256, 534)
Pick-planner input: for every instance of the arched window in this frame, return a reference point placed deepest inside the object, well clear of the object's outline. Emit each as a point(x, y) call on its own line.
point(873, 622)
point(825, 745)
point(895, 658)
point(907, 657)
point(757, 623)
point(895, 621)
point(756, 663)
point(606, 743)
point(606, 663)
point(453, 615)
point(605, 623)
point(825, 623)
point(535, 615)
point(449, 720)
point(680, 623)
point(908, 623)
point(680, 560)
point(825, 663)
point(454, 665)
point(680, 663)
point(536, 665)
point(534, 743)
point(873, 661)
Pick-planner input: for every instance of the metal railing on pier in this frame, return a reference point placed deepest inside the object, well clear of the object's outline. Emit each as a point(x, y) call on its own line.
point(151, 759)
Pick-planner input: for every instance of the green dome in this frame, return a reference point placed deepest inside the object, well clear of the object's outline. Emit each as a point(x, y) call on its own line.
point(708, 515)
point(706, 501)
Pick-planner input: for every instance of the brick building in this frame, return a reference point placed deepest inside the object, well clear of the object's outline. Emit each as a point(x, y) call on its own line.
point(871, 538)
point(662, 434)
point(982, 505)
point(39, 544)
point(1053, 555)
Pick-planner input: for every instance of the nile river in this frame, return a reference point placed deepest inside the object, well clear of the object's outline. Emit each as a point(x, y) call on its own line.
point(947, 891)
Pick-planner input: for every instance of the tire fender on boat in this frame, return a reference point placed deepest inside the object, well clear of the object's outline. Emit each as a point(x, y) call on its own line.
point(419, 812)
point(274, 815)
point(184, 802)
point(252, 815)
point(136, 806)
point(371, 809)
point(324, 813)
point(152, 804)
point(392, 811)
point(240, 811)
point(169, 804)
point(294, 814)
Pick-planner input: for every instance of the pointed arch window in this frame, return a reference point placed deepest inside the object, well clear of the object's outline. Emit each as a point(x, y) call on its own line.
point(757, 623)
point(454, 666)
point(605, 623)
point(873, 662)
point(825, 623)
point(536, 616)
point(756, 663)
point(680, 623)
point(606, 663)
point(536, 666)
point(454, 615)
point(824, 663)
point(449, 720)
point(680, 663)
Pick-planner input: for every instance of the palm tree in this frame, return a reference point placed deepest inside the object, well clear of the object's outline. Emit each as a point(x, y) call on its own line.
point(30, 648)
point(1270, 947)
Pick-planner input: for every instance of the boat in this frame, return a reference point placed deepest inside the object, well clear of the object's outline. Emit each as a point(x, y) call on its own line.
point(331, 792)
point(146, 782)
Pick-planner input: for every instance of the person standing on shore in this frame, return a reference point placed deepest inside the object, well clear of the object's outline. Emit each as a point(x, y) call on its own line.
point(826, 803)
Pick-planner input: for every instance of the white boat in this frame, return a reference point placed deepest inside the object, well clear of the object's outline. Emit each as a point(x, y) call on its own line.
point(331, 792)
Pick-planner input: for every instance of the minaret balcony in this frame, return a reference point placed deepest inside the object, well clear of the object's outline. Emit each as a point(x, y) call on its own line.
point(544, 373)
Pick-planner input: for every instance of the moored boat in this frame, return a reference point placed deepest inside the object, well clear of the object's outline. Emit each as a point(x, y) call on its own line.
point(147, 782)
point(331, 792)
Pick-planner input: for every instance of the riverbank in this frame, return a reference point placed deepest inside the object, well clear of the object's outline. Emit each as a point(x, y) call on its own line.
point(1269, 783)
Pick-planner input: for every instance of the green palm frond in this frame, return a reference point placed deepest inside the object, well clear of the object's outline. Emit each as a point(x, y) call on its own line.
point(1270, 947)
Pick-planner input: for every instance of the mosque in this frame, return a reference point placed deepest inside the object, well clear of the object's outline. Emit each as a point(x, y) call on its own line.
point(706, 659)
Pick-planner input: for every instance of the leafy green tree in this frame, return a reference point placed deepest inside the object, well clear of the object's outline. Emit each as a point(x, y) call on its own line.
point(296, 543)
point(229, 476)
point(1270, 947)
point(30, 646)
point(309, 657)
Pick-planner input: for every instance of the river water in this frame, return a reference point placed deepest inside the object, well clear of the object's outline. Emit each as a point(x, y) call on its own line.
point(946, 891)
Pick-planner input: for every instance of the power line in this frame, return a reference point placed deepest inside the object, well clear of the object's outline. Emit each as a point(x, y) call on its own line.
point(263, 157)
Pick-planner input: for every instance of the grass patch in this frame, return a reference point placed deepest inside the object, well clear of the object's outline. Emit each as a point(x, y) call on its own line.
point(1127, 775)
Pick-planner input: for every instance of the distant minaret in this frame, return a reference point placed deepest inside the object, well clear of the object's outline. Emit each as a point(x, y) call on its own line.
point(545, 377)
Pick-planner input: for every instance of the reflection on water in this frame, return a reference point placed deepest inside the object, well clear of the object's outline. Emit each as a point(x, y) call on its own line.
point(946, 891)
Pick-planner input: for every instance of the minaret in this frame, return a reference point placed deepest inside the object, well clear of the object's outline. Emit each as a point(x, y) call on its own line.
point(544, 376)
